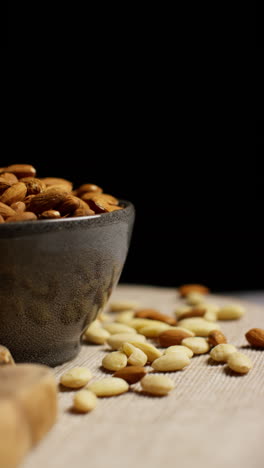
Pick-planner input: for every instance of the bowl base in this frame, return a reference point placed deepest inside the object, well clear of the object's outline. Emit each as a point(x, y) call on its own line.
point(50, 357)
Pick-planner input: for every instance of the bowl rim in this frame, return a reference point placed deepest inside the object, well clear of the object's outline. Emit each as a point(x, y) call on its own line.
point(48, 224)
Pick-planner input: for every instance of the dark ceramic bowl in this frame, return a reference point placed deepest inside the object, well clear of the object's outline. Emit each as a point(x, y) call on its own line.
point(55, 276)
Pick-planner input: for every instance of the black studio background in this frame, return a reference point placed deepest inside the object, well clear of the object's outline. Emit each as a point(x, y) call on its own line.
point(159, 113)
point(199, 213)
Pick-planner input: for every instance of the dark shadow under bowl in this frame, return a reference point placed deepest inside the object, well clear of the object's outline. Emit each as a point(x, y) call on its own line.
point(55, 276)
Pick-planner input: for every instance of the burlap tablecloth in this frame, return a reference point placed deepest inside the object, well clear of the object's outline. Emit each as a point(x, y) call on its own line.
point(212, 418)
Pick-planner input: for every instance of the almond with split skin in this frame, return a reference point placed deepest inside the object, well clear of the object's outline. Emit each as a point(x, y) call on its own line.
point(255, 337)
point(186, 289)
point(34, 185)
point(15, 193)
point(172, 337)
point(154, 314)
point(216, 337)
point(50, 214)
point(131, 374)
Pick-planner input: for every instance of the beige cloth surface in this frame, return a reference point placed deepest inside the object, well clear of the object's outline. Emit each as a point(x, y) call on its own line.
point(212, 418)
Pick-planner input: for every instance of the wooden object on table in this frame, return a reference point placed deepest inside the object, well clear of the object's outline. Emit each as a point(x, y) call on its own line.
point(28, 409)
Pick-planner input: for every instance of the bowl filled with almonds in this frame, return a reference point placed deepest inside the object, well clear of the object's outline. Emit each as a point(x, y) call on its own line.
point(62, 252)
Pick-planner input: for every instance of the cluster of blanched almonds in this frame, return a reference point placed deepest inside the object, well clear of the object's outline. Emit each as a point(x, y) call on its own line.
point(126, 329)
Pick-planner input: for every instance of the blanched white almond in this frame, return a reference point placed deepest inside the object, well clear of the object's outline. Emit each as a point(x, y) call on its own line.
point(151, 351)
point(239, 362)
point(152, 331)
point(110, 386)
point(136, 357)
point(125, 317)
point(196, 344)
point(120, 306)
point(96, 335)
point(171, 362)
point(221, 352)
point(139, 323)
point(114, 328)
point(157, 384)
point(114, 361)
point(194, 298)
point(231, 312)
point(84, 401)
point(211, 311)
point(116, 341)
point(176, 348)
point(199, 325)
point(76, 377)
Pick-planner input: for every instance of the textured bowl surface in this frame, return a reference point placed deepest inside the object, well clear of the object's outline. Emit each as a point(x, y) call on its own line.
point(55, 276)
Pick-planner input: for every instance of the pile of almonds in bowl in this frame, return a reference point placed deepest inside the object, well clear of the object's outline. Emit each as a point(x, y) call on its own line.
point(24, 197)
point(126, 328)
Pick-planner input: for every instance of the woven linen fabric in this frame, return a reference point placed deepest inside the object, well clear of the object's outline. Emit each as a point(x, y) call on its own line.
point(213, 417)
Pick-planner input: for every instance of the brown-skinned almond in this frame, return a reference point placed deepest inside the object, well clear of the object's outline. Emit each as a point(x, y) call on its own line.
point(255, 337)
point(15, 193)
point(26, 216)
point(154, 314)
point(47, 200)
point(172, 337)
point(6, 210)
point(216, 337)
point(186, 289)
point(34, 185)
point(69, 205)
point(19, 207)
point(195, 312)
point(21, 170)
point(131, 374)
point(89, 188)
